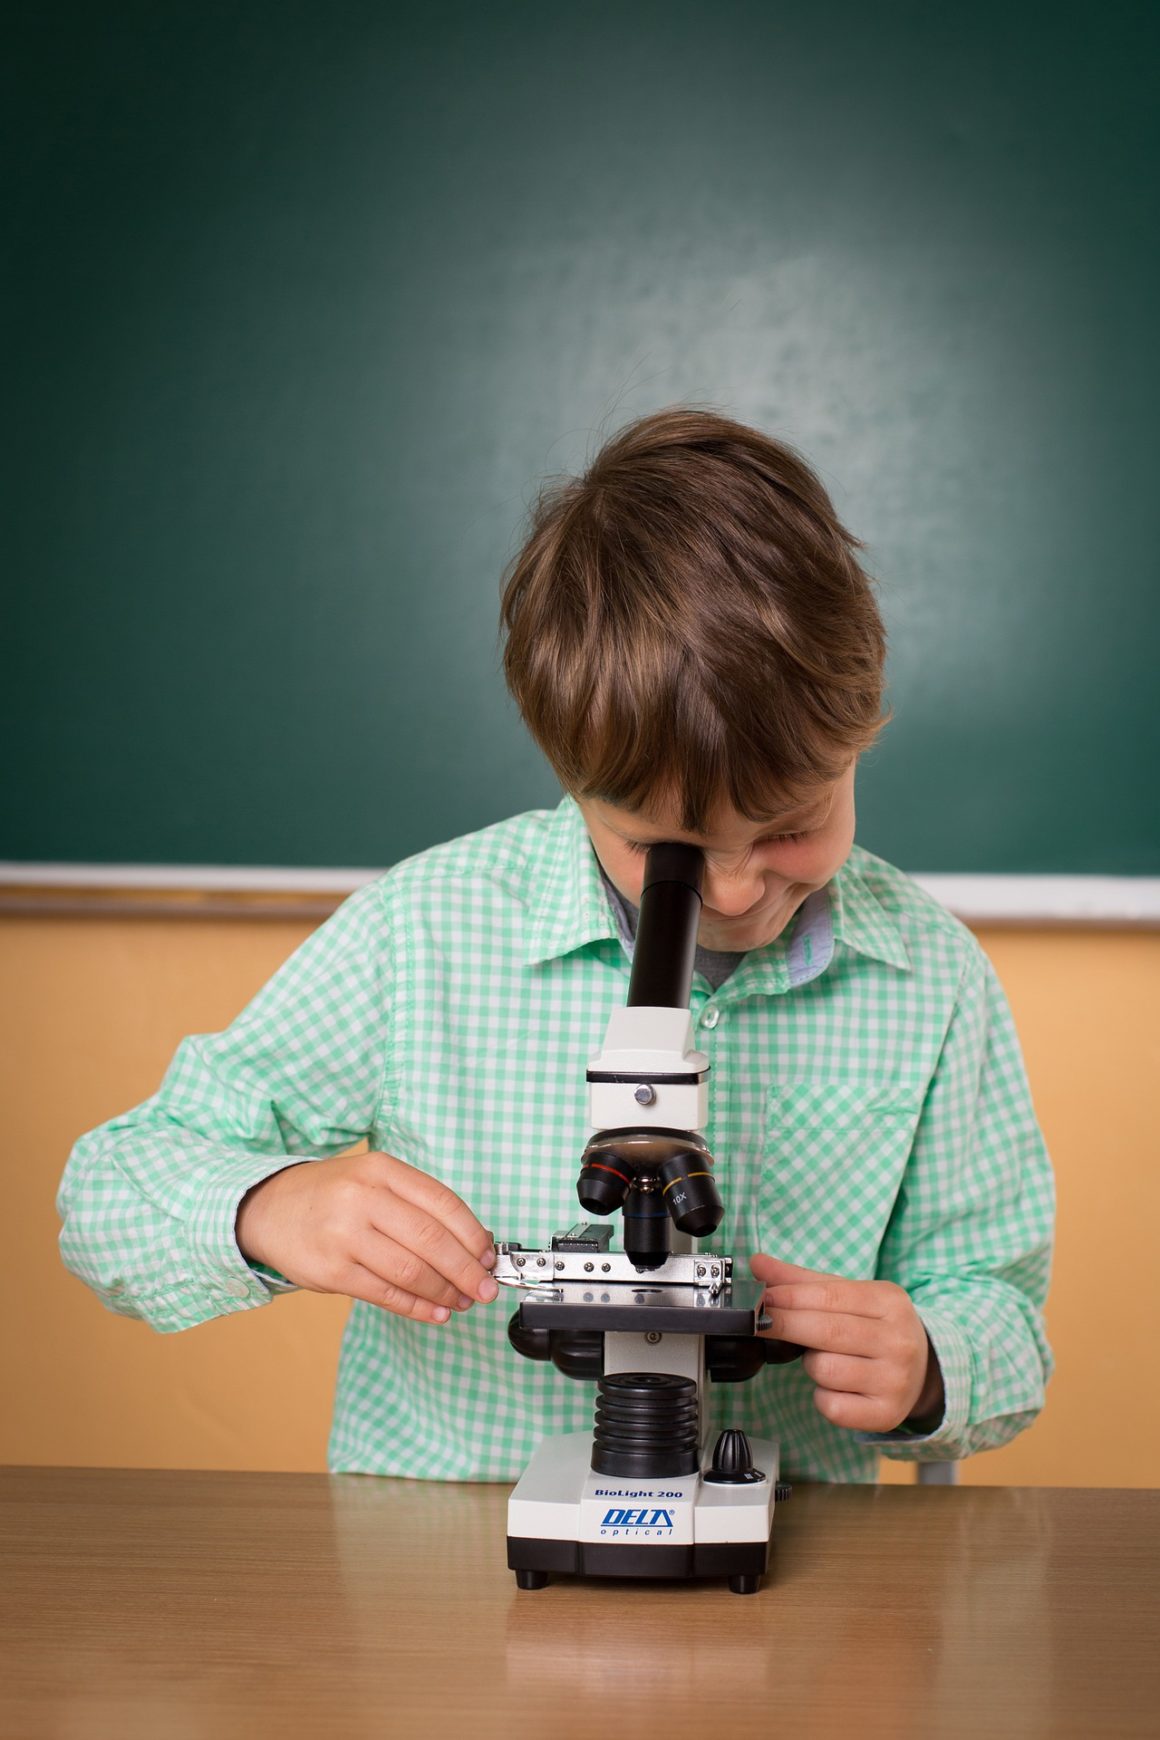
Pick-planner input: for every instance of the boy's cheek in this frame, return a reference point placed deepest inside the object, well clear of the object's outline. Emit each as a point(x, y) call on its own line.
point(819, 865)
point(625, 870)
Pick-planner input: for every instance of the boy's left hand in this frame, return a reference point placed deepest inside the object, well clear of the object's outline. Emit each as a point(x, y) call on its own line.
point(866, 1349)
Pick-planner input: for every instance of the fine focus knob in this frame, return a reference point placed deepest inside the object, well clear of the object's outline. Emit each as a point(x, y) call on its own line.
point(733, 1461)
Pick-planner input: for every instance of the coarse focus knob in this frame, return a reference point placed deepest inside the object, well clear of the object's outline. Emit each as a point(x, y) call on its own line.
point(733, 1461)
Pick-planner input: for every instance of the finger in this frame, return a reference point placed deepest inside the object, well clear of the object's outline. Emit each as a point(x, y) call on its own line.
point(443, 1205)
point(771, 1270)
point(360, 1283)
point(434, 1247)
point(847, 1372)
point(827, 1331)
point(855, 1413)
point(392, 1261)
point(850, 1298)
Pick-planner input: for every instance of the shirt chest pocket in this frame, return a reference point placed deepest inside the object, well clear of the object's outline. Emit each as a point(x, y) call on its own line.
point(833, 1156)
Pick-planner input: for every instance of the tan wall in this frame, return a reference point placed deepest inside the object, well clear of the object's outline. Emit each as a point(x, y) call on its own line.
point(92, 1009)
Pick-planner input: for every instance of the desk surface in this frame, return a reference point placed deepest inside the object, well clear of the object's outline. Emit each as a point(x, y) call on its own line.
point(138, 1604)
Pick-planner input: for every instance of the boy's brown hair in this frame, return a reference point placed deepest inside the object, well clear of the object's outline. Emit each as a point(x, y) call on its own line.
point(688, 621)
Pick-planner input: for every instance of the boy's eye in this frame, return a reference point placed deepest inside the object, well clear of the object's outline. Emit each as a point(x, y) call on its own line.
point(639, 846)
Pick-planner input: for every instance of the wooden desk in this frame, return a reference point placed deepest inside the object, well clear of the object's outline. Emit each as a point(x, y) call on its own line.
point(239, 1605)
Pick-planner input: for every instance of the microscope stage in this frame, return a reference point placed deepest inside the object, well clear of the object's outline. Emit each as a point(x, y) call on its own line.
point(643, 1308)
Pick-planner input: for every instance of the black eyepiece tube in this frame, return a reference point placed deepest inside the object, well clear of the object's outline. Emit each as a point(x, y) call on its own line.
point(666, 931)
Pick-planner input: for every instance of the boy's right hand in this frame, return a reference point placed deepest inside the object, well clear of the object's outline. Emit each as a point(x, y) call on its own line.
point(374, 1228)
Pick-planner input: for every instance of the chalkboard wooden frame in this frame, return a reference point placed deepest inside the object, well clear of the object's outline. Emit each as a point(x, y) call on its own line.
point(198, 891)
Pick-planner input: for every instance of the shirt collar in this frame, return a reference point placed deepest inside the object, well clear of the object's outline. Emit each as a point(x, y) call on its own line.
point(861, 922)
point(570, 907)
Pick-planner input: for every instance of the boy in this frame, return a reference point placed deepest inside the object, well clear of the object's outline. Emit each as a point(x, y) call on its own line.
point(694, 646)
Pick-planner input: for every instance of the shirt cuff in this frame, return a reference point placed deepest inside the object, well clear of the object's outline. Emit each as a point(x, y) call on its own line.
point(947, 1440)
point(222, 1273)
point(272, 1279)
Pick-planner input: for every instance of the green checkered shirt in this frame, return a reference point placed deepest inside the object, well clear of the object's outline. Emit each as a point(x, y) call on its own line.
point(869, 1115)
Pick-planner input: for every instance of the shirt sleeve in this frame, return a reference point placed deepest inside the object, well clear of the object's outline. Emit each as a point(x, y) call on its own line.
point(970, 1237)
point(149, 1200)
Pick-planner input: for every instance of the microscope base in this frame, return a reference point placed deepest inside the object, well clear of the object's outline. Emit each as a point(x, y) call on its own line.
point(563, 1518)
point(743, 1563)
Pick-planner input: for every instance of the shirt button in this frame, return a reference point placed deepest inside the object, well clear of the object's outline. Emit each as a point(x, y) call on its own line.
point(710, 1017)
point(236, 1289)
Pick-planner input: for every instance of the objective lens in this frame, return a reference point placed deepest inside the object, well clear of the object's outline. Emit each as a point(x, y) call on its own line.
point(689, 1192)
point(646, 1230)
point(603, 1184)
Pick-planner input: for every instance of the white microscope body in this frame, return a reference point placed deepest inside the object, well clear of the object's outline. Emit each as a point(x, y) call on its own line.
point(650, 1493)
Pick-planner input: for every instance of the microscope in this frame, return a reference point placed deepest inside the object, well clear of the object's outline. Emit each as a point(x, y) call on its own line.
point(651, 1492)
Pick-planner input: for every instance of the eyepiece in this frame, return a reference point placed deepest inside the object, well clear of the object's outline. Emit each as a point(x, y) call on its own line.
point(666, 930)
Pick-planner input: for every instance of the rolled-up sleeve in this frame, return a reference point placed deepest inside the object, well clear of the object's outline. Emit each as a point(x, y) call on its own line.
point(970, 1238)
point(149, 1200)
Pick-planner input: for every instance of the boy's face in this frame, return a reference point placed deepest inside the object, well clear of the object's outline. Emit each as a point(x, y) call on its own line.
point(756, 873)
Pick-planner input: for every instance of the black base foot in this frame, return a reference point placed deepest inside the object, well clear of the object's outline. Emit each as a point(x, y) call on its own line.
point(531, 1579)
point(744, 1585)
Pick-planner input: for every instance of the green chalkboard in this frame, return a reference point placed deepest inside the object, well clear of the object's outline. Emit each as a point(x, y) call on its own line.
point(304, 298)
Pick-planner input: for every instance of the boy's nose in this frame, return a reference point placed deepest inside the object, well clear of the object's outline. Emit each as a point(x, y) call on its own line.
point(732, 896)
